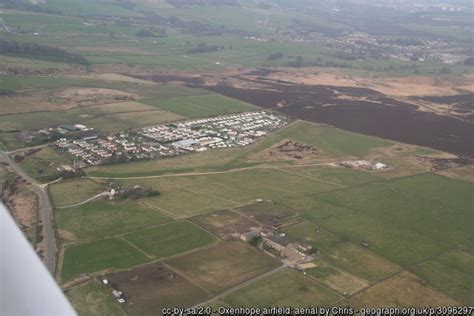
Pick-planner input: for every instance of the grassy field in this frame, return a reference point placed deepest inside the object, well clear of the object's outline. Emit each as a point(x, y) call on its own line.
point(459, 260)
point(99, 255)
point(416, 204)
point(170, 239)
point(387, 239)
point(341, 176)
point(99, 219)
point(331, 140)
point(123, 121)
point(451, 194)
point(446, 277)
point(338, 280)
point(191, 195)
point(224, 223)
point(108, 122)
point(312, 208)
point(316, 236)
point(285, 288)
point(403, 289)
point(92, 299)
point(201, 106)
point(360, 262)
point(224, 265)
point(265, 211)
point(74, 191)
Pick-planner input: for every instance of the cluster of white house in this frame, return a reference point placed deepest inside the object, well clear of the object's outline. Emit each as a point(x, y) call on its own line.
point(172, 139)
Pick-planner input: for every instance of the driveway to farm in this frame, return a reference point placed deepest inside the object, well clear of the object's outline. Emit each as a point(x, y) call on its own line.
point(45, 206)
point(105, 193)
point(227, 292)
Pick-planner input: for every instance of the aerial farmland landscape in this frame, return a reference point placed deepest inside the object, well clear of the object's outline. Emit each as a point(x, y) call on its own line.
point(227, 157)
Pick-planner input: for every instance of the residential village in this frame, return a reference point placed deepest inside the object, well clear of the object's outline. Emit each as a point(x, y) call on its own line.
point(167, 140)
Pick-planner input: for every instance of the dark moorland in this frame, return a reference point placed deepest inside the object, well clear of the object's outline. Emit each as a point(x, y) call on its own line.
point(375, 114)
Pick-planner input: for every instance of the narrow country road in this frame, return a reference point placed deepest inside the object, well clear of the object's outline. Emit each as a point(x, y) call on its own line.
point(227, 292)
point(45, 207)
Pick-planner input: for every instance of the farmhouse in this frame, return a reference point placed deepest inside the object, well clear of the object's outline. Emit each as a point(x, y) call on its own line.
point(276, 242)
point(249, 235)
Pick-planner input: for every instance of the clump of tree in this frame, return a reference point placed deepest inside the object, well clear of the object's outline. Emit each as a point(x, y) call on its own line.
point(144, 33)
point(137, 192)
point(275, 56)
point(204, 48)
point(134, 192)
point(70, 174)
point(36, 51)
point(297, 63)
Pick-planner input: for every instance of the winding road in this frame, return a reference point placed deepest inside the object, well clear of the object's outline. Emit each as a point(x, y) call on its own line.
point(45, 206)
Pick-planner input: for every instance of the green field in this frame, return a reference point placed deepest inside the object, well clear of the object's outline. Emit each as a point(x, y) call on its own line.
point(446, 274)
point(416, 204)
point(224, 265)
point(316, 236)
point(459, 260)
point(190, 195)
point(99, 219)
point(284, 288)
point(312, 208)
point(390, 240)
point(360, 262)
point(92, 299)
point(170, 239)
point(342, 176)
point(108, 122)
point(331, 140)
point(74, 191)
point(201, 106)
point(451, 194)
point(99, 255)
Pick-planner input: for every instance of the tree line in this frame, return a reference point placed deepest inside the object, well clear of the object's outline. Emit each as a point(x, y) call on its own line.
point(37, 51)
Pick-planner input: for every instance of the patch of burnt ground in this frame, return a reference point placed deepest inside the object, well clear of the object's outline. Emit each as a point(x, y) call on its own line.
point(364, 111)
point(165, 78)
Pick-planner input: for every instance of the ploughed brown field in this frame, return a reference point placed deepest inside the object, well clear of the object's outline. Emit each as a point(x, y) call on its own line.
point(150, 288)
